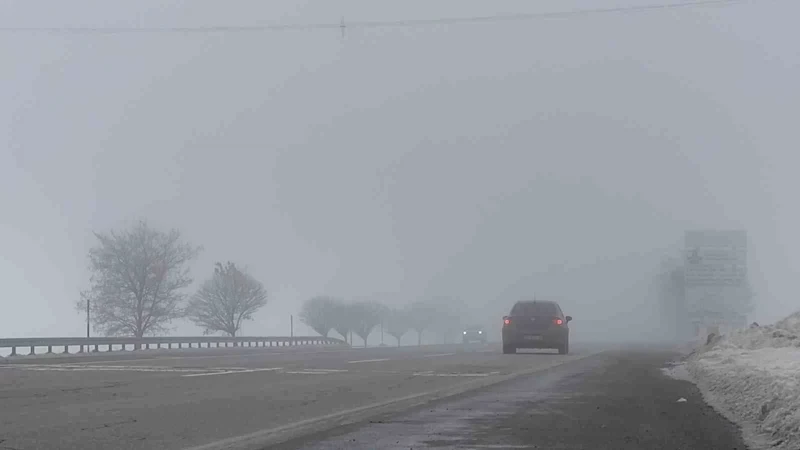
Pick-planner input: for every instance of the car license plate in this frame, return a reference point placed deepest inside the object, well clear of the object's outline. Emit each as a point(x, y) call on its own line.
point(533, 338)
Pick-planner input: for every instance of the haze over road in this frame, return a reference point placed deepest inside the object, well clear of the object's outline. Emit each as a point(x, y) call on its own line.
point(254, 398)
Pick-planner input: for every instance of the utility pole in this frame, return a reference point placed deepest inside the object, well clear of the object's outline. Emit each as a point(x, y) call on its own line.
point(381, 332)
point(88, 302)
point(291, 325)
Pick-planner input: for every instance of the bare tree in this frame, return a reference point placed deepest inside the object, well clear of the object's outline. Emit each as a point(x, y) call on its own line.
point(341, 319)
point(397, 323)
point(228, 298)
point(366, 316)
point(137, 276)
point(450, 313)
point(319, 313)
point(422, 314)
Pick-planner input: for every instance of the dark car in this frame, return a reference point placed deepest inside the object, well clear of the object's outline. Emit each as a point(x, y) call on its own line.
point(536, 324)
point(474, 333)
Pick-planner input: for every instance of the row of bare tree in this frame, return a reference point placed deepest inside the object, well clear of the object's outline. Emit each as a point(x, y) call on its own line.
point(138, 282)
point(325, 314)
point(139, 278)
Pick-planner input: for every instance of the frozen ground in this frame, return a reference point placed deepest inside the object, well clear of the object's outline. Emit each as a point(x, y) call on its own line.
point(753, 377)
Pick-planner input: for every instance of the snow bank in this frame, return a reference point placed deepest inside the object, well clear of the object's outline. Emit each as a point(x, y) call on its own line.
point(753, 377)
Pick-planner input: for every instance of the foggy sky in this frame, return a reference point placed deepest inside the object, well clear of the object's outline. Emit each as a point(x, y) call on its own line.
point(462, 160)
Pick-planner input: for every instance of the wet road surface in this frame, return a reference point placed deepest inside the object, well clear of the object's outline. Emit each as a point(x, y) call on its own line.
point(243, 399)
point(616, 400)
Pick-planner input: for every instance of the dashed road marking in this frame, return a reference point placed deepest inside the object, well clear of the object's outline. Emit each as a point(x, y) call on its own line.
point(502, 446)
point(439, 354)
point(307, 372)
point(453, 374)
point(184, 371)
point(54, 368)
point(316, 371)
point(368, 360)
point(270, 369)
point(250, 352)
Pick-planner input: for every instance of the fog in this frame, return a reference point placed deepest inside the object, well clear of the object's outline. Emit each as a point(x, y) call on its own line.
point(491, 161)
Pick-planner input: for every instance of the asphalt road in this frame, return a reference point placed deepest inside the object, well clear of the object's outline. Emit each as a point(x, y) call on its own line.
point(448, 397)
point(618, 400)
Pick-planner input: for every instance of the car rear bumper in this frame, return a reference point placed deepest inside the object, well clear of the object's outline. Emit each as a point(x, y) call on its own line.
point(535, 339)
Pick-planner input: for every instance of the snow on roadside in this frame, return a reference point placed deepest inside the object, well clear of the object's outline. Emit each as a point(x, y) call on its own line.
point(753, 377)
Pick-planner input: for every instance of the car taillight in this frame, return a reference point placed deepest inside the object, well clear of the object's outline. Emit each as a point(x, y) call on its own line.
point(506, 321)
point(559, 322)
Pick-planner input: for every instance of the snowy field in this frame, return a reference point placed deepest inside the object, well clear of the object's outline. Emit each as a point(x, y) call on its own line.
point(752, 376)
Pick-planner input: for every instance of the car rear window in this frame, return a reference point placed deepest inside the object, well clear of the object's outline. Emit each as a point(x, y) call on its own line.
point(534, 309)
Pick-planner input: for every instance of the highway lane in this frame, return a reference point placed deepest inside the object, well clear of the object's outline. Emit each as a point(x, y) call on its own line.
point(620, 400)
point(244, 399)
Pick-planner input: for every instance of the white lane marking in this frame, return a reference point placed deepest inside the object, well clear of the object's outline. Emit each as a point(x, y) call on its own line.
point(502, 446)
point(101, 369)
point(316, 371)
point(232, 355)
point(439, 354)
point(308, 372)
point(188, 371)
point(232, 371)
point(368, 360)
point(431, 374)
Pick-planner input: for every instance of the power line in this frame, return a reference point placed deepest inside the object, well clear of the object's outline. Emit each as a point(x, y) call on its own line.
point(371, 24)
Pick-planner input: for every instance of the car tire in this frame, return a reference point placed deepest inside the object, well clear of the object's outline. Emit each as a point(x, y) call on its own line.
point(509, 350)
point(564, 348)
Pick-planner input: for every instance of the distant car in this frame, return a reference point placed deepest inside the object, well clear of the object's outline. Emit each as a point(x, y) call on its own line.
point(474, 333)
point(536, 324)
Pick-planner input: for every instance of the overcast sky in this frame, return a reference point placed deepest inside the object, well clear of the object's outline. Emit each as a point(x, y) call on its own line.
point(454, 160)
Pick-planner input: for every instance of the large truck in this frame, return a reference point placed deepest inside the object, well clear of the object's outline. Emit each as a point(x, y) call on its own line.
point(717, 293)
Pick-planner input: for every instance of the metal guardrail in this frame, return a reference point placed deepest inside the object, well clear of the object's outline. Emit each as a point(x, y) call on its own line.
point(95, 343)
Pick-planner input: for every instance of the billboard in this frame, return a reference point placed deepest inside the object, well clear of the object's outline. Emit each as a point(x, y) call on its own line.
point(715, 258)
point(715, 276)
